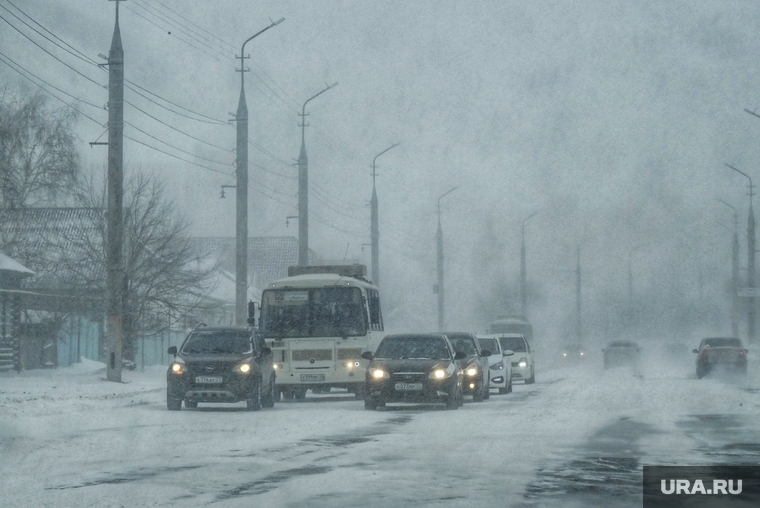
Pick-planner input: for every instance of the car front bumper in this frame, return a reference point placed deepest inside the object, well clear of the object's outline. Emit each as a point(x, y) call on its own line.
point(432, 390)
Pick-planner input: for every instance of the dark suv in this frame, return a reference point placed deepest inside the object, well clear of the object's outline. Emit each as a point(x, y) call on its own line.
point(225, 364)
point(726, 352)
point(477, 378)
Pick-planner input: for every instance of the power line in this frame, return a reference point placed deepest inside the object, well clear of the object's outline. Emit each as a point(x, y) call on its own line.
point(181, 16)
point(174, 147)
point(171, 19)
point(176, 157)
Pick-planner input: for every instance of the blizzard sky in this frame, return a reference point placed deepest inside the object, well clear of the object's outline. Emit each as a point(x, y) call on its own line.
point(612, 120)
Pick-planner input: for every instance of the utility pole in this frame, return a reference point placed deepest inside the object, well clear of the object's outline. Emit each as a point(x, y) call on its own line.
point(241, 188)
point(439, 238)
point(734, 273)
point(578, 299)
point(115, 231)
point(374, 223)
point(303, 188)
point(524, 270)
point(750, 260)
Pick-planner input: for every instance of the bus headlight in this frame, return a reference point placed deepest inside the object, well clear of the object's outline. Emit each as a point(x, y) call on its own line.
point(352, 364)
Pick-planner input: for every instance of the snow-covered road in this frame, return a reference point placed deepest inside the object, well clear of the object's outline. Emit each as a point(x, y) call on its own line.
point(578, 437)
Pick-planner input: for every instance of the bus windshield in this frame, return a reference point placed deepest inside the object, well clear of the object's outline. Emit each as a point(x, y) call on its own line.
point(316, 312)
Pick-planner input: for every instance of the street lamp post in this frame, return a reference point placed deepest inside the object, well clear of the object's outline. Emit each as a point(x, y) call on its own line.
point(524, 270)
point(750, 260)
point(439, 237)
point(303, 188)
point(374, 227)
point(241, 206)
point(734, 273)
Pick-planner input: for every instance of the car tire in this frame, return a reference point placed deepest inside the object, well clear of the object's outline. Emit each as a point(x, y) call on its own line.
point(268, 398)
point(503, 391)
point(487, 393)
point(190, 404)
point(532, 378)
point(452, 401)
point(370, 404)
point(509, 387)
point(253, 402)
point(700, 373)
point(478, 395)
point(173, 404)
point(359, 393)
point(300, 393)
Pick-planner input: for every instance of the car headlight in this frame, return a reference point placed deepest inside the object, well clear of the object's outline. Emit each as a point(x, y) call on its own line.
point(378, 374)
point(498, 366)
point(471, 371)
point(178, 368)
point(439, 374)
point(242, 368)
point(523, 362)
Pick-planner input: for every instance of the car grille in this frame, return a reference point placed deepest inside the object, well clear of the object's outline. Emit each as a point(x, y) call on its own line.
point(409, 376)
point(304, 355)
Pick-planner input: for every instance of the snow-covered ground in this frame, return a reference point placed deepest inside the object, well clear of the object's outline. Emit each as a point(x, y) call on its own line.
point(578, 437)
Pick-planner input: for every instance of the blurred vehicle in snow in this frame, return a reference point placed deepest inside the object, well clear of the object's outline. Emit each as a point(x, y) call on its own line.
point(726, 353)
point(573, 352)
point(221, 364)
point(621, 353)
point(523, 368)
point(475, 365)
point(501, 364)
point(413, 368)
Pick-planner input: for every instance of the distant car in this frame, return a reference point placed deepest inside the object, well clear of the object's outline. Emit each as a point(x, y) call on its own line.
point(477, 381)
point(501, 364)
point(523, 368)
point(621, 353)
point(573, 352)
point(413, 368)
point(721, 352)
point(220, 364)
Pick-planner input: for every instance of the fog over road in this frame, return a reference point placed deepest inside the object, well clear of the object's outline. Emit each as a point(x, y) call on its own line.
point(578, 437)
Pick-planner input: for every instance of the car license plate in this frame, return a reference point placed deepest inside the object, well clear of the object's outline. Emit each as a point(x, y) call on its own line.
point(408, 386)
point(307, 378)
point(208, 380)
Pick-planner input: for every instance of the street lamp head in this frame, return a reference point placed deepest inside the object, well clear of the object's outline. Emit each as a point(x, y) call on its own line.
point(275, 23)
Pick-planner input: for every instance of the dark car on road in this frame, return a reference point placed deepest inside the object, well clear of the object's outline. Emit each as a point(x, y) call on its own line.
point(621, 353)
point(477, 379)
point(727, 353)
point(413, 368)
point(221, 364)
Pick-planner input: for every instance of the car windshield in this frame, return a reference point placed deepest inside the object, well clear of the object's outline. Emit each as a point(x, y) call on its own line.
point(218, 341)
point(516, 344)
point(413, 347)
point(723, 342)
point(489, 345)
point(465, 344)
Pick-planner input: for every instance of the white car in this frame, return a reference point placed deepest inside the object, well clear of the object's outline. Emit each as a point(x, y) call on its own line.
point(499, 362)
point(523, 368)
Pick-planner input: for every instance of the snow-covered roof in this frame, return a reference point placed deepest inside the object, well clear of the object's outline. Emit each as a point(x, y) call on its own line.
point(11, 265)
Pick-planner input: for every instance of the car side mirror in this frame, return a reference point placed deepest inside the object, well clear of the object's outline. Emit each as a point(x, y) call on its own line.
point(266, 351)
point(172, 350)
point(508, 352)
point(367, 355)
point(460, 355)
point(695, 351)
point(485, 352)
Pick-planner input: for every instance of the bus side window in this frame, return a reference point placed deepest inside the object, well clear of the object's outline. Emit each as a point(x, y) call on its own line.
point(375, 316)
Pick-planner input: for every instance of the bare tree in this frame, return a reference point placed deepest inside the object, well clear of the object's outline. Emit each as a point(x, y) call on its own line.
point(38, 159)
point(164, 273)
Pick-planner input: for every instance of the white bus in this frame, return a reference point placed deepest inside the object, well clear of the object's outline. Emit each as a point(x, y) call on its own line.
point(318, 321)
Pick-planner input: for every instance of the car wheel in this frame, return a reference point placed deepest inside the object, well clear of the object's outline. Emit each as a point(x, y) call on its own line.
point(359, 392)
point(509, 387)
point(452, 402)
point(173, 404)
point(370, 404)
point(300, 393)
point(503, 391)
point(700, 373)
point(191, 404)
point(253, 402)
point(267, 400)
point(487, 392)
point(478, 395)
point(532, 378)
